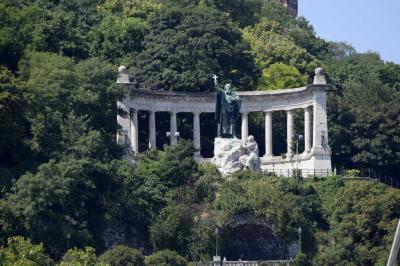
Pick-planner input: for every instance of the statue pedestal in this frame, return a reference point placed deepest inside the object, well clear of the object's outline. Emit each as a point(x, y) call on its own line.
point(234, 155)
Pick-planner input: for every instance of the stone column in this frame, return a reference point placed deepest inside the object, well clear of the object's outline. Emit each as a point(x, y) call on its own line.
point(245, 125)
point(290, 130)
point(123, 120)
point(320, 120)
point(152, 130)
point(196, 133)
point(307, 129)
point(172, 128)
point(134, 131)
point(268, 135)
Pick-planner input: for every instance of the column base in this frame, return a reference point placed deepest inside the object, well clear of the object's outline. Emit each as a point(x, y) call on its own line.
point(197, 157)
point(268, 156)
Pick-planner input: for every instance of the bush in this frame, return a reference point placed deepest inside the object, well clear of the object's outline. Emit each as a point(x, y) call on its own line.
point(302, 260)
point(208, 183)
point(172, 228)
point(165, 258)
point(20, 251)
point(78, 257)
point(351, 173)
point(122, 256)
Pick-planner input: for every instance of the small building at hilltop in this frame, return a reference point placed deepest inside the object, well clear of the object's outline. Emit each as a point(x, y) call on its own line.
point(292, 6)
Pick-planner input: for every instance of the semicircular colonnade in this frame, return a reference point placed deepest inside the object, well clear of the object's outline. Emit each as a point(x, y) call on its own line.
point(312, 99)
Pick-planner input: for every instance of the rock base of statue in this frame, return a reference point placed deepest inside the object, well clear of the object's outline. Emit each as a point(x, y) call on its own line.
point(234, 155)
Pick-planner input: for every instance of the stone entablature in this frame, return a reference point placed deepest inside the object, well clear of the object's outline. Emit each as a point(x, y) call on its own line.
point(311, 98)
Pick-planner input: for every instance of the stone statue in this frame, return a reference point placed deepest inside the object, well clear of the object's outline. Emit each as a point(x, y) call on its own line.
point(251, 159)
point(227, 110)
point(234, 155)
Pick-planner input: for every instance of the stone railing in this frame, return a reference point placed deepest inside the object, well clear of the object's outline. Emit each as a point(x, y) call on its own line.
point(247, 263)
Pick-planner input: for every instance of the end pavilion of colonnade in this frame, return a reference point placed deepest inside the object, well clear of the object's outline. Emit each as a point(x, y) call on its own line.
point(315, 159)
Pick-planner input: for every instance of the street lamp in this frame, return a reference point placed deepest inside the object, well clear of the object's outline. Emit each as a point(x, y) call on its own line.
point(299, 230)
point(216, 241)
point(299, 138)
point(68, 237)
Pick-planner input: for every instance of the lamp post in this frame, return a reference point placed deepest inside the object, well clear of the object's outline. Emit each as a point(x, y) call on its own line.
point(216, 241)
point(299, 231)
point(68, 237)
point(299, 138)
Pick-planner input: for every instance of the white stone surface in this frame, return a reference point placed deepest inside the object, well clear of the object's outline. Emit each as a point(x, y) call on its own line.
point(234, 155)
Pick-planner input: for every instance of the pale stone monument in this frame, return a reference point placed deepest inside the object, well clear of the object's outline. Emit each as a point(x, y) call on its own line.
point(234, 155)
point(231, 154)
point(315, 160)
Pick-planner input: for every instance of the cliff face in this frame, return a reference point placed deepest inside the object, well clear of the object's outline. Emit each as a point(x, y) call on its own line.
point(292, 6)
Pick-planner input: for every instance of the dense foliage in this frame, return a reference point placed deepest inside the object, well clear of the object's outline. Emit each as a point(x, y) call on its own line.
point(66, 195)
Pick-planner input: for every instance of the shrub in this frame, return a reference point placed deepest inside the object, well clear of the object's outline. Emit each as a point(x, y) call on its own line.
point(122, 256)
point(172, 228)
point(351, 173)
point(21, 251)
point(302, 260)
point(78, 257)
point(165, 258)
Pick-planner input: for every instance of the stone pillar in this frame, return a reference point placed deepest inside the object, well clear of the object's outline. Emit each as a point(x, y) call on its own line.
point(123, 134)
point(307, 129)
point(134, 131)
point(268, 135)
point(196, 133)
point(123, 76)
point(290, 131)
point(245, 125)
point(172, 128)
point(320, 120)
point(152, 130)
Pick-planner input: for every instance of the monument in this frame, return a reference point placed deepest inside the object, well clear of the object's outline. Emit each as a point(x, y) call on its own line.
point(227, 110)
point(310, 100)
point(231, 154)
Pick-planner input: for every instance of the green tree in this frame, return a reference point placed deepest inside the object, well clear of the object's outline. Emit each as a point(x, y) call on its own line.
point(269, 46)
point(20, 251)
point(281, 76)
point(19, 30)
point(361, 110)
point(174, 166)
point(186, 46)
point(57, 87)
point(244, 12)
point(122, 256)
point(13, 128)
point(78, 257)
point(172, 228)
point(165, 258)
point(118, 39)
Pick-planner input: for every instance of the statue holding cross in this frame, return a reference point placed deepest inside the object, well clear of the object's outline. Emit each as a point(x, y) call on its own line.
point(227, 109)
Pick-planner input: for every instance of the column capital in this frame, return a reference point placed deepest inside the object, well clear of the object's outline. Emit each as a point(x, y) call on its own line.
point(290, 111)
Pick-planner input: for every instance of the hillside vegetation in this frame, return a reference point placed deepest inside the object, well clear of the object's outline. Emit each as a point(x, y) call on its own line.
point(66, 196)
